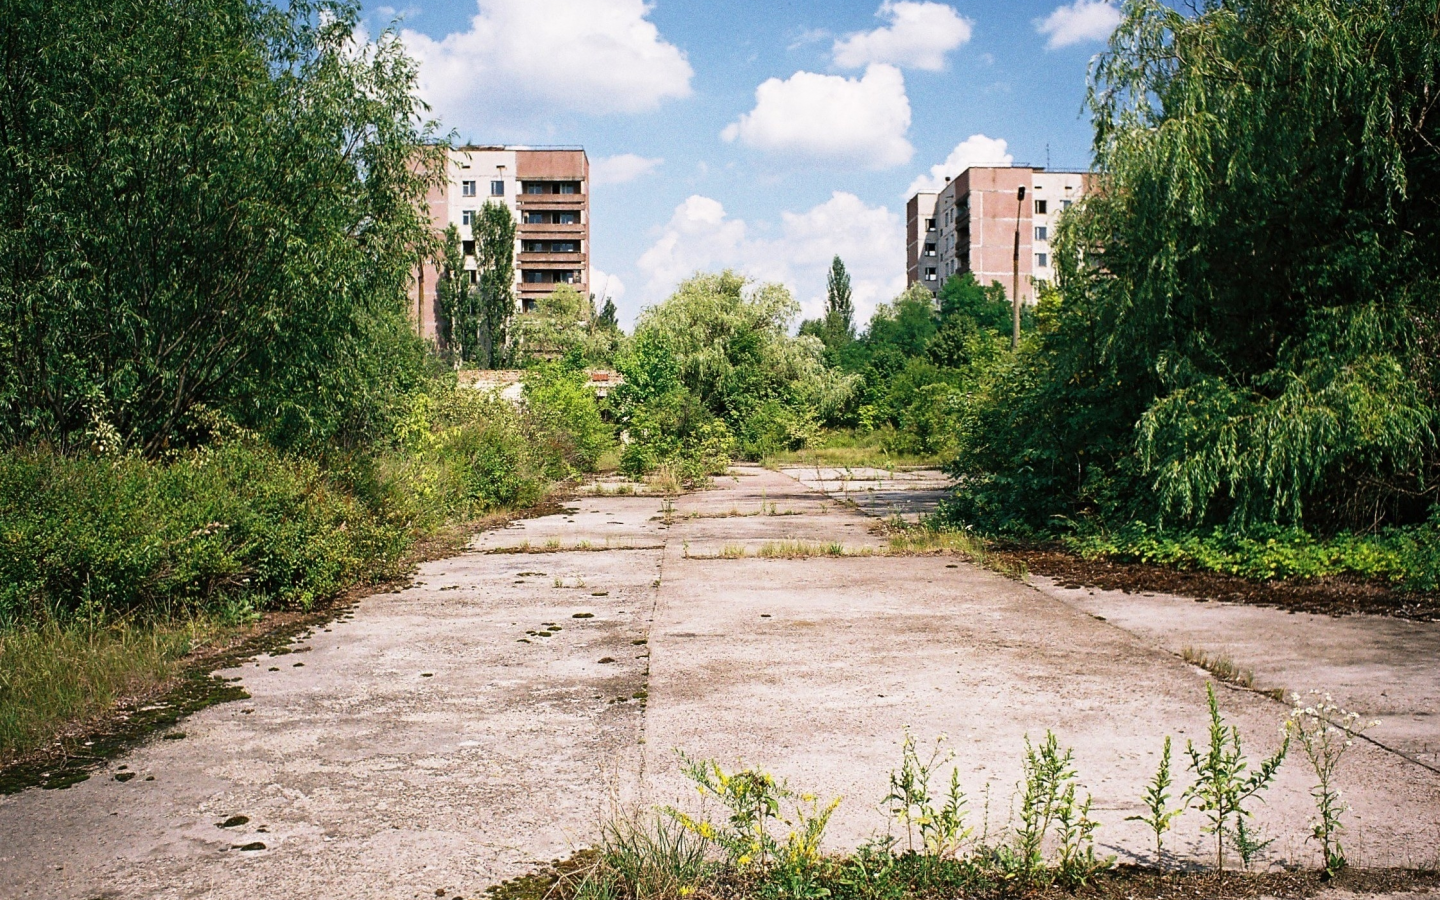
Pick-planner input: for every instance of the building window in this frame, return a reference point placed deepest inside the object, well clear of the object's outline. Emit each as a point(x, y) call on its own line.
point(930, 274)
point(569, 187)
point(497, 188)
point(929, 224)
point(1040, 207)
point(467, 217)
point(568, 217)
point(1042, 233)
point(1042, 260)
point(1065, 204)
point(467, 248)
point(467, 188)
point(535, 218)
point(930, 249)
point(533, 276)
point(474, 276)
point(535, 187)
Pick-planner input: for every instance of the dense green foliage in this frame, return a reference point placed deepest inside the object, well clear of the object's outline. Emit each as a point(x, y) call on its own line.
point(564, 323)
point(495, 230)
point(211, 399)
point(715, 360)
point(1246, 330)
point(237, 526)
point(919, 361)
point(205, 204)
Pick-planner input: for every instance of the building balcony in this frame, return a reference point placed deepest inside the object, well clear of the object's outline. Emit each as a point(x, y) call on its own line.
point(531, 290)
point(547, 260)
point(550, 201)
point(545, 231)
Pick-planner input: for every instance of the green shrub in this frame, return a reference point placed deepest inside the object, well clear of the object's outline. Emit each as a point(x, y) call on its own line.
point(237, 526)
point(564, 417)
point(1405, 557)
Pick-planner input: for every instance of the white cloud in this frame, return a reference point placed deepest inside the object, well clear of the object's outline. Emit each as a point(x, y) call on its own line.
point(1081, 21)
point(622, 168)
point(918, 36)
point(603, 284)
point(700, 236)
point(976, 150)
point(859, 120)
point(523, 60)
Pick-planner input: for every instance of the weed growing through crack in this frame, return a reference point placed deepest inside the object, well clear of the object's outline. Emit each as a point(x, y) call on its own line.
point(652, 857)
point(1049, 798)
point(766, 843)
point(753, 800)
point(1222, 785)
point(807, 549)
point(1160, 815)
point(1325, 731)
point(1221, 666)
point(941, 829)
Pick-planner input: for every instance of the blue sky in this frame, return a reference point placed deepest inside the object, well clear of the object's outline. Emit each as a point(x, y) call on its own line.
point(765, 136)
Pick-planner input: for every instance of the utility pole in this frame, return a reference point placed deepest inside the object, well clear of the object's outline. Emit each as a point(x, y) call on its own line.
point(1015, 292)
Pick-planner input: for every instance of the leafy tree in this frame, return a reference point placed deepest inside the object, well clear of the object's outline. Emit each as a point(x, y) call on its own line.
point(609, 319)
point(459, 315)
point(209, 204)
point(495, 258)
point(559, 324)
point(907, 324)
point(837, 297)
point(1246, 329)
point(987, 307)
point(731, 344)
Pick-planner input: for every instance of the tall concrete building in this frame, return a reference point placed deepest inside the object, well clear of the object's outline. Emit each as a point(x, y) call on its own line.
point(921, 252)
point(547, 191)
point(972, 222)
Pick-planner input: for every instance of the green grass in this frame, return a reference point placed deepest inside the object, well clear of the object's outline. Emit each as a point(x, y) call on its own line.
point(852, 448)
point(52, 676)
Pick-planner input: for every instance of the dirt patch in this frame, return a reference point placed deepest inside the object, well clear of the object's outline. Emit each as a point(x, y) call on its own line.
point(1325, 596)
point(561, 879)
point(1147, 884)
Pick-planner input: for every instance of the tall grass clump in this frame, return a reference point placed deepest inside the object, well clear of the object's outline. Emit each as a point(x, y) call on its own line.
point(53, 673)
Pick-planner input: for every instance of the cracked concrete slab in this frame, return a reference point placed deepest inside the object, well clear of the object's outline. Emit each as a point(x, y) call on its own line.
point(1383, 668)
point(452, 734)
point(907, 494)
point(430, 740)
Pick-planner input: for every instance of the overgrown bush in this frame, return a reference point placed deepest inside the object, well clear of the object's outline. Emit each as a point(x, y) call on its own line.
point(1244, 336)
point(238, 526)
point(662, 422)
point(215, 203)
point(719, 349)
point(230, 528)
point(563, 415)
point(1406, 557)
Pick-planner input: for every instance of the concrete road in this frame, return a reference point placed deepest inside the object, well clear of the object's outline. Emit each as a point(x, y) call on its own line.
point(490, 716)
